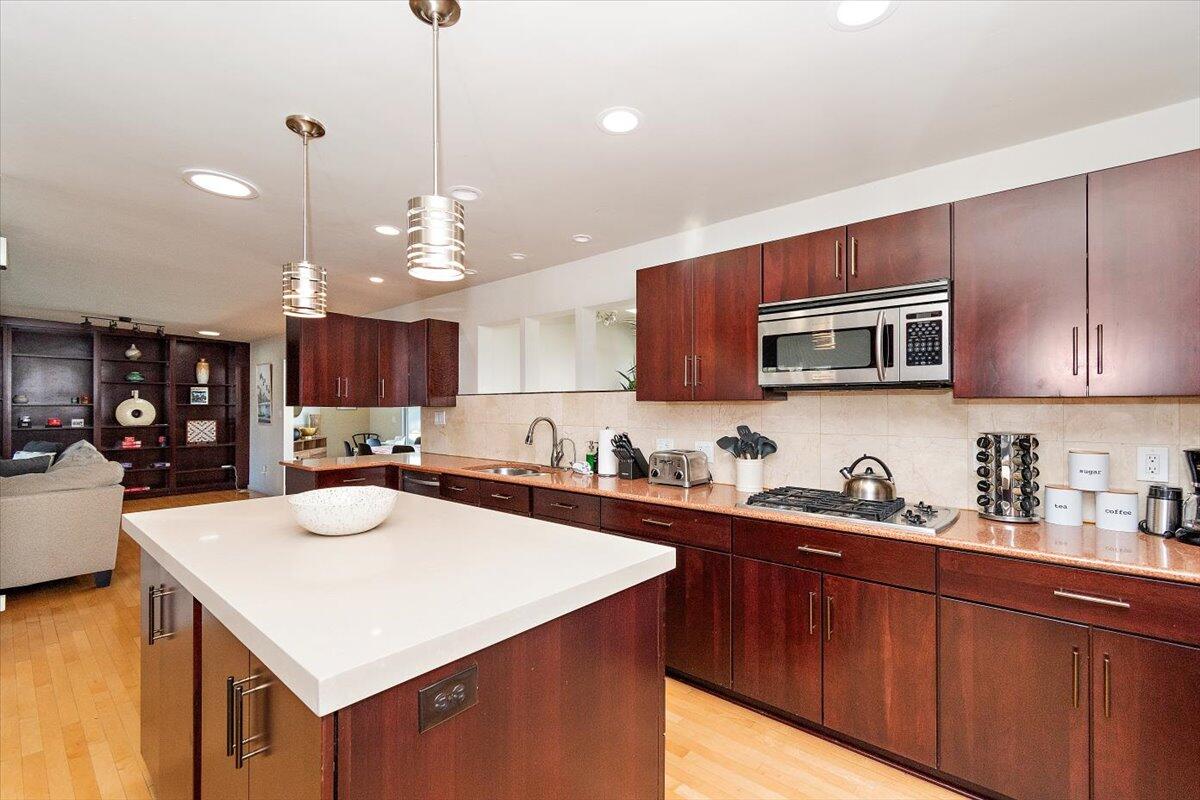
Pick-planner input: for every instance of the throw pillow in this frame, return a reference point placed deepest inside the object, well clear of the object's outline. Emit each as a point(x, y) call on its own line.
point(40, 446)
point(24, 466)
point(79, 454)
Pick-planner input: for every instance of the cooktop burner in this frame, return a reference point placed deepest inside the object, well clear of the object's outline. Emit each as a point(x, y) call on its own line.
point(920, 518)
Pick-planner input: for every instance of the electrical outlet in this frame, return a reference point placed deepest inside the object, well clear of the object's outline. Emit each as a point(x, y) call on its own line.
point(706, 448)
point(664, 444)
point(1152, 463)
point(439, 418)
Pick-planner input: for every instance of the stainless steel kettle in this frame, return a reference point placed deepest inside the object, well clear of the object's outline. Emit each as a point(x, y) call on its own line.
point(867, 485)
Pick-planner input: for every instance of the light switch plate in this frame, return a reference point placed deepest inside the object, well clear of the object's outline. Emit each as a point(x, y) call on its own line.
point(1152, 463)
point(664, 444)
point(439, 418)
point(706, 448)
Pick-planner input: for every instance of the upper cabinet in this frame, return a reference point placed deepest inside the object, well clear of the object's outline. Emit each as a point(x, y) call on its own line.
point(809, 265)
point(1144, 277)
point(393, 389)
point(432, 363)
point(698, 328)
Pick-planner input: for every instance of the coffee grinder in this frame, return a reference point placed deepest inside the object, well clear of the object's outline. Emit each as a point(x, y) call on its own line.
point(1189, 529)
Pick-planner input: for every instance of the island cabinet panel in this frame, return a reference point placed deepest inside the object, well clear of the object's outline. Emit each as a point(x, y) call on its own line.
point(664, 337)
point(697, 615)
point(573, 708)
point(460, 490)
point(810, 265)
point(1143, 284)
point(572, 508)
point(392, 363)
point(222, 657)
point(423, 483)
point(726, 290)
point(900, 249)
point(776, 632)
point(1013, 693)
point(880, 666)
point(168, 651)
point(503, 496)
point(1145, 718)
point(1020, 292)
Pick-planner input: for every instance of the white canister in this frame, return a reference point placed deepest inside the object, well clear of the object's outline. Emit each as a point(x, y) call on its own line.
point(1117, 510)
point(1087, 470)
point(1064, 505)
point(748, 473)
point(606, 459)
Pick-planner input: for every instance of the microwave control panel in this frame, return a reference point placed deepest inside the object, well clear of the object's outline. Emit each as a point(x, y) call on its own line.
point(923, 341)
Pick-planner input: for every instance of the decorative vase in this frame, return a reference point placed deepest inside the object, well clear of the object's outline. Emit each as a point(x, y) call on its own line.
point(135, 377)
point(135, 412)
point(133, 353)
point(749, 474)
point(202, 371)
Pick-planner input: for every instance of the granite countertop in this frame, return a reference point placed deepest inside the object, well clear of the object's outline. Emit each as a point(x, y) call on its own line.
point(1085, 546)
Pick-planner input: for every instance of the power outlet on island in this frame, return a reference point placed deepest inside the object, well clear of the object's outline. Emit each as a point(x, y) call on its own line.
point(1152, 463)
point(707, 449)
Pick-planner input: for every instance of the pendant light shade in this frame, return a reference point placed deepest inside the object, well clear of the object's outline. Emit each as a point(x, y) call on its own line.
point(305, 288)
point(436, 224)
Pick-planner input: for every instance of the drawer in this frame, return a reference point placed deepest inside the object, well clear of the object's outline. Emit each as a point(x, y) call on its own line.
point(461, 490)
point(504, 496)
point(362, 476)
point(868, 557)
point(666, 523)
point(1138, 605)
point(570, 507)
point(422, 483)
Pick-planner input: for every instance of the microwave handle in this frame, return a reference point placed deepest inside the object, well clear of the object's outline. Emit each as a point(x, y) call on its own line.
point(879, 367)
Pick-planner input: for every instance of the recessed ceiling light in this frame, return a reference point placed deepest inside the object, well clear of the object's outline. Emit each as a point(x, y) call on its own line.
point(375, 279)
point(581, 238)
point(465, 193)
point(517, 256)
point(620, 119)
point(856, 15)
point(387, 230)
point(209, 333)
point(220, 183)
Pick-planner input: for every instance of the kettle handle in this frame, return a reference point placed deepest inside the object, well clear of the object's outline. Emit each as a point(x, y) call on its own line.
point(847, 471)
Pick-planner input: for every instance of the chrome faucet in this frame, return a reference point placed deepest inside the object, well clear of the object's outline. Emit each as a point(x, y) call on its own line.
point(556, 444)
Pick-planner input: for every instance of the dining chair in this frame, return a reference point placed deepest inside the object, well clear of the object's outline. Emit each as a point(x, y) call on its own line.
point(403, 448)
point(364, 449)
point(349, 448)
point(365, 438)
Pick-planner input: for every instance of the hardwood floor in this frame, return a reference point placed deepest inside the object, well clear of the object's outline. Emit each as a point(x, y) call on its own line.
point(69, 709)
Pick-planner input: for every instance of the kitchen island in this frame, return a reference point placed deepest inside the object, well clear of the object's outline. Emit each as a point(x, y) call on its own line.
point(450, 652)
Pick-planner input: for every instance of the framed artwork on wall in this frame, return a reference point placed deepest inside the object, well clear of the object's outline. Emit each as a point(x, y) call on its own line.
point(263, 396)
point(198, 396)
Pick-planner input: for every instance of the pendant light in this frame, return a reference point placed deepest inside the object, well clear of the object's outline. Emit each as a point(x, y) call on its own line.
point(436, 224)
point(304, 286)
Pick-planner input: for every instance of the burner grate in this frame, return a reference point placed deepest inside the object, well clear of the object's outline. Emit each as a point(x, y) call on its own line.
point(825, 501)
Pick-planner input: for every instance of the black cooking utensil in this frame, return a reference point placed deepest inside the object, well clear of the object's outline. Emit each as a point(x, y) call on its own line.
point(729, 444)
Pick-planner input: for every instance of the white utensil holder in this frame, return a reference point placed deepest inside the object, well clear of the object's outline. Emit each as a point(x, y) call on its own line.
point(749, 474)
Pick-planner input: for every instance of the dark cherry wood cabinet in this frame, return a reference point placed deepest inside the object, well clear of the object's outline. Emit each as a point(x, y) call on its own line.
point(168, 648)
point(358, 348)
point(664, 337)
point(392, 364)
point(1020, 292)
point(880, 666)
point(911, 247)
point(1144, 277)
point(809, 265)
point(697, 615)
point(776, 636)
point(1145, 718)
point(432, 363)
point(1013, 693)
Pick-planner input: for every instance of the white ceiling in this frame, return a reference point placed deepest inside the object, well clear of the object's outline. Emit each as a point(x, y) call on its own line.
point(746, 106)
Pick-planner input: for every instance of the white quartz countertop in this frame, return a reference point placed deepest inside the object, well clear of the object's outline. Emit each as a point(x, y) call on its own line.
point(339, 619)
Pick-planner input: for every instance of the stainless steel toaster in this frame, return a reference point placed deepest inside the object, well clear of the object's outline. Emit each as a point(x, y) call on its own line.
point(684, 468)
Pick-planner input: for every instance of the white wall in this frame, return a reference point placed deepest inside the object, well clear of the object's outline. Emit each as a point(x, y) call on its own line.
point(609, 277)
point(499, 362)
point(616, 349)
point(268, 442)
point(555, 355)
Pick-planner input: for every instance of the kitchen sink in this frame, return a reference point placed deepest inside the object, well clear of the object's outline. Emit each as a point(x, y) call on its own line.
point(513, 472)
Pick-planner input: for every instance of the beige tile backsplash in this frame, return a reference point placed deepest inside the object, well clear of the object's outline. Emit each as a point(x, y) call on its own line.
point(926, 437)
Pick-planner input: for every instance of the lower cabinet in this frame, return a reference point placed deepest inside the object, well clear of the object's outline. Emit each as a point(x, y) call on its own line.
point(422, 483)
point(1145, 718)
point(1014, 703)
point(880, 666)
point(167, 682)
point(697, 614)
point(257, 740)
point(777, 633)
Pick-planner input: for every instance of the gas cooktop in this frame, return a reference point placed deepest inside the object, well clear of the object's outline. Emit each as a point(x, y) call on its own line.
point(884, 514)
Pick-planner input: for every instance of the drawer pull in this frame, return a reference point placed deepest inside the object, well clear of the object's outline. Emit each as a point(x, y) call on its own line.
point(353, 480)
point(419, 482)
point(456, 488)
point(657, 523)
point(1075, 677)
point(502, 496)
point(240, 740)
point(1087, 598)
point(567, 506)
point(816, 551)
point(157, 629)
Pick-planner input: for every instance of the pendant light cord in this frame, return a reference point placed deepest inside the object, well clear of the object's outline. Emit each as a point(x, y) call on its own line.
point(436, 104)
point(307, 215)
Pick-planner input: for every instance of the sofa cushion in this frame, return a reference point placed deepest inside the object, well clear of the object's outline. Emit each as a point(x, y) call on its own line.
point(106, 473)
point(42, 446)
point(24, 466)
point(79, 454)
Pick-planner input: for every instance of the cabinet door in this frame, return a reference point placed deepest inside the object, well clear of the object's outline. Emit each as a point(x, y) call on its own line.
point(1146, 718)
point(912, 247)
point(393, 364)
point(1014, 701)
point(359, 368)
point(880, 665)
point(151, 708)
point(664, 339)
point(432, 363)
point(312, 376)
point(1020, 292)
point(295, 760)
point(1144, 277)
point(697, 615)
point(726, 288)
point(810, 265)
point(776, 635)
point(222, 657)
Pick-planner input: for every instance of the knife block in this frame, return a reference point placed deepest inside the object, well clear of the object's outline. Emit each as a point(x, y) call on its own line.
point(632, 468)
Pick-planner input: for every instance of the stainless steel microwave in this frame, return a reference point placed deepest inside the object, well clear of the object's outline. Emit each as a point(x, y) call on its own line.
point(885, 337)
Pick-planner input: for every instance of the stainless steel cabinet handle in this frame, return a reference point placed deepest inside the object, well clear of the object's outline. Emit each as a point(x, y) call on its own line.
point(230, 684)
point(658, 523)
point(420, 482)
point(695, 370)
point(817, 551)
point(1107, 687)
point(853, 257)
point(1088, 598)
point(150, 616)
point(157, 631)
point(686, 368)
point(1075, 677)
point(503, 496)
point(812, 621)
point(837, 258)
point(381, 388)
point(567, 506)
point(456, 488)
point(828, 617)
point(879, 370)
point(346, 383)
point(1075, 350)
point(239, 724)
point(1100, 349)
point(353, 480)
point(337, 387)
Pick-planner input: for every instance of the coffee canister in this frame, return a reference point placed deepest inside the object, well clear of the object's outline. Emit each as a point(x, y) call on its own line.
point(1064, 505)
point(1117, 510)
point(1087, 470)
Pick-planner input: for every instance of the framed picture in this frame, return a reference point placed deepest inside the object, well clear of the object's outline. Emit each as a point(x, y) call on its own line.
point(199, 396)
point(263, 389)
point(201, 431)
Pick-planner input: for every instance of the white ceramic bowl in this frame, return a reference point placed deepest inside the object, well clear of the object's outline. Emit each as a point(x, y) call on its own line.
point(342, 510)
